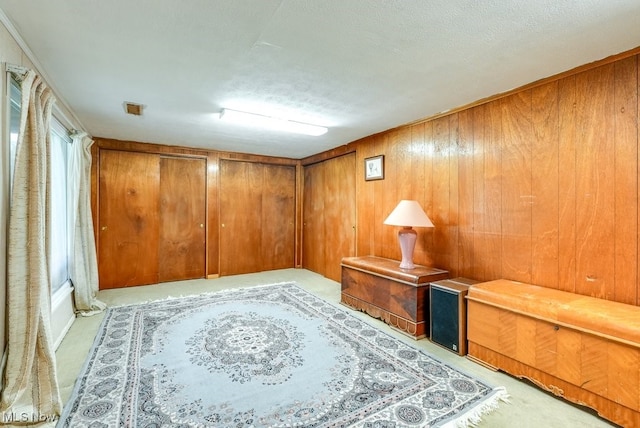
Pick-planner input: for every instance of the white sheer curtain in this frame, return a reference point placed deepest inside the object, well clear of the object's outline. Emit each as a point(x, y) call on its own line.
point(30, 381)
point(83, 265)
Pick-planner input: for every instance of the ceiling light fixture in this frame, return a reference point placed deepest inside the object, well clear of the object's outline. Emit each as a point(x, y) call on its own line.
point(268, 122)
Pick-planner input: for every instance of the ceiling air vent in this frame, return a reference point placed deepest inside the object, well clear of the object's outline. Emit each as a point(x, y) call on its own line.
point(132, 108)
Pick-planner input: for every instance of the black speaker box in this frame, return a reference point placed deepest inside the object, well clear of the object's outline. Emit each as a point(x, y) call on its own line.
point(448, 308)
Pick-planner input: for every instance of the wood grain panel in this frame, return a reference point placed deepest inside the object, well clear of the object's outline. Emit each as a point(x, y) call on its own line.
point(517, 196)
point(508, 333)
point(594, 365)
point(567, 130)
point(365, 202)
point(213, 215)
point(444, 192)
point(480, 241)
point(339, 213)
point(278, 216)
point(330, 214)
point(544, 186)
point(257, 215)
point(493, 190)
point(128, 230)
point(623, 382)
point(313, 248)
point(626, 182)
point(134, 146)
point(181, 242)
point(387, 198)
point(253, 158)
point(453, 228)
point(483, 328)
point(595, 185)
point(403, 173)
point(417, 187)
point(465, 195)
point(299, 215)
point(526, 340)
point(440, 192)
point(427, 236)
point(95, 167)
point(546, 349)
point(240, 217)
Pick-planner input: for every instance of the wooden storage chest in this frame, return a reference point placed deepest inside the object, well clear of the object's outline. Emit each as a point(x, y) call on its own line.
point(584, 349)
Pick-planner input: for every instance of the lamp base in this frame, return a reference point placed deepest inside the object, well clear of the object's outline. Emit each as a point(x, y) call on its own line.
point(407, 238)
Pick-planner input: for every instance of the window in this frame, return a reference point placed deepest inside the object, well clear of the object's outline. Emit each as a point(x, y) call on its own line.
point(59, 249)
point(60, 147)
point(15, 99)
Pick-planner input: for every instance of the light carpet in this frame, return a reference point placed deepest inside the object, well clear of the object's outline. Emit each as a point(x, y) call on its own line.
point(266, 356)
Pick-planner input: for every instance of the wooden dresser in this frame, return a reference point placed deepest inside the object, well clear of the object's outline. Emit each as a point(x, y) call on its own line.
point(399, 297)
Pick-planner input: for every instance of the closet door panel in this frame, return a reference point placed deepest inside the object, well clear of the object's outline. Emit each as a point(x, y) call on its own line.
point(240, 217)
point(128, 219)
point(278, 214)
point(182, 219)
point(339, 213)
point(313, 243)
point(329, 215)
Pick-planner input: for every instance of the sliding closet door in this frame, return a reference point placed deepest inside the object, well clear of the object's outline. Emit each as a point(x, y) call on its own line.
point(278, 214)
point(240, 217)
point(339, 213)
point(313, 242)
point(128, 216)
point(329, 215)
point(257, 212)
point(181, 249)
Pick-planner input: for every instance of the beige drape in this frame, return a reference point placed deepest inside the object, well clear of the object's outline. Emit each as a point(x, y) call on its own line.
point(83, 266)
point(30, 382)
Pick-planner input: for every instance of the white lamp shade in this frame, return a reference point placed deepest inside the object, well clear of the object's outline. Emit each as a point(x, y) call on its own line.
point(408, 213)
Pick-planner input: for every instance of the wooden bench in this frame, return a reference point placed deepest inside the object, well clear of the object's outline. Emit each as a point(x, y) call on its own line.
point(584, 349)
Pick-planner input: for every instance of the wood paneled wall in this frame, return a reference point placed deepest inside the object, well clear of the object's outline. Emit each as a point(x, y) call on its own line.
point(540, 186)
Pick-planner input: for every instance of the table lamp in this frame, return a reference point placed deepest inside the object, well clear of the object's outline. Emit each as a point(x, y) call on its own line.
point(408, 214)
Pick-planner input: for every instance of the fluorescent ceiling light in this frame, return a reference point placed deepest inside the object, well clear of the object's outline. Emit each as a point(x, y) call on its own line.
point(260, 121)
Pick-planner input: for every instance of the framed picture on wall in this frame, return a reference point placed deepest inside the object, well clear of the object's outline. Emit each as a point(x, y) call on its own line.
point(374, 168)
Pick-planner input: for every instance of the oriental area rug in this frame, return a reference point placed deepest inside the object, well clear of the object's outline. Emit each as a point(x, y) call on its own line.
point(266, 356)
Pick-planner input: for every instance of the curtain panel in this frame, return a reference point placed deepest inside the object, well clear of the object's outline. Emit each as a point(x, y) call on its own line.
point(30, 381)
point(83, 264)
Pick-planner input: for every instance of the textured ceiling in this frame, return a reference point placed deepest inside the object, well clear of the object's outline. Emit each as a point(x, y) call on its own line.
point(356, 66)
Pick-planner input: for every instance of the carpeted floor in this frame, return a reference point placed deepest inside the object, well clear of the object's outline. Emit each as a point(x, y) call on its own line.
point(529, 407)
point(265, 356)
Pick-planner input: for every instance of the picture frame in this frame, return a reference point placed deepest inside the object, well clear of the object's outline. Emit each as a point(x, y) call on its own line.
point(374, 168)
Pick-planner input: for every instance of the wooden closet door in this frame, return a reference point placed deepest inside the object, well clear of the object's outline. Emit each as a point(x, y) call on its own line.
point(339, 213)
point(257, 212)
point(313, 243)
point(329, 215)
point(240, 217)
point(278, 214)
point(128, 218)
point(181, 249)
